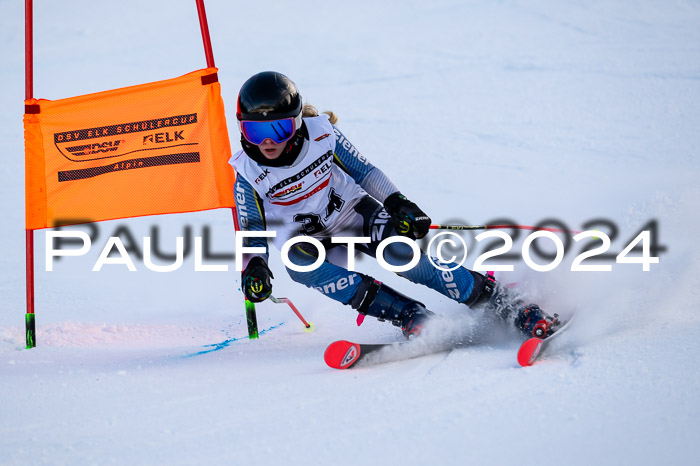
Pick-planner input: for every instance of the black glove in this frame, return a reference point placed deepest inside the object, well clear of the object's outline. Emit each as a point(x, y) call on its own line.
point(407, 218)
point(256, 280)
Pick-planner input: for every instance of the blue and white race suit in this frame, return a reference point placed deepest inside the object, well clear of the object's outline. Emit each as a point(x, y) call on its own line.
point(330, 190)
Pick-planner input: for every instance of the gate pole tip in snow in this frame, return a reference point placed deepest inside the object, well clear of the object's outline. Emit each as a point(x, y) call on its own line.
point(252, 319)
point(30, 326)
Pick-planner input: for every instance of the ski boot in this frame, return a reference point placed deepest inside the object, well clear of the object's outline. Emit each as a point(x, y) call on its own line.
point(376, 299)
point(534, 322)
point(497, 298)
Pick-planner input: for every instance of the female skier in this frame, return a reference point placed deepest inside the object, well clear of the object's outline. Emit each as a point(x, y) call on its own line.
point(300, 175)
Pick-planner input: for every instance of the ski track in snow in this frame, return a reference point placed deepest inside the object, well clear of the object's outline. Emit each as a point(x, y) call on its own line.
point(476, 110)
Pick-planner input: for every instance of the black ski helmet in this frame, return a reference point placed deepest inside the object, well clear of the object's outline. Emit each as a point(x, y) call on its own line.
point(268, 96)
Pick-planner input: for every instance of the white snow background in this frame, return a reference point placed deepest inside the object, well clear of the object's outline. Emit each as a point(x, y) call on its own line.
point(477, 110)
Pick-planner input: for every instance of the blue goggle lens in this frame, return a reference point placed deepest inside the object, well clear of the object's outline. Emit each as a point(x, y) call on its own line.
point(277, 130)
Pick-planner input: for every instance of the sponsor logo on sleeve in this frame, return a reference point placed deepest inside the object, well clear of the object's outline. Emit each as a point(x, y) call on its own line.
point(352, 150)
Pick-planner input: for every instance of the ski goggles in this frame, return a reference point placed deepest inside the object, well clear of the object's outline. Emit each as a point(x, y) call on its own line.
point(278, 131)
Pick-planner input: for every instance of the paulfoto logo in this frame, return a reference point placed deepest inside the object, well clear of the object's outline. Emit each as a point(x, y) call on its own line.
point(115, 244)
point(540, 250)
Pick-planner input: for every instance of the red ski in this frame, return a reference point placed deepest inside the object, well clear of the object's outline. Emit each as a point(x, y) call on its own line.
point(344, 354)
point(529, 350)
point(533, 347)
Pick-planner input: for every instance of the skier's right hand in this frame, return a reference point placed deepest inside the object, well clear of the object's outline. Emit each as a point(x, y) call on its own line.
point(257, 280)
point(408, 219)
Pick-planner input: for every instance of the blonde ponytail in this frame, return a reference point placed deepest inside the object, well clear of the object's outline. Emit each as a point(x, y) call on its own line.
point(309, 110)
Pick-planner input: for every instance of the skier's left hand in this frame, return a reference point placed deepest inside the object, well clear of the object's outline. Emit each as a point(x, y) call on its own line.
point(257, 280)
point(406, 216)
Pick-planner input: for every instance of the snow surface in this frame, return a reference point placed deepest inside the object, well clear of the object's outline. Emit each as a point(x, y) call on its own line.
point(478, 110)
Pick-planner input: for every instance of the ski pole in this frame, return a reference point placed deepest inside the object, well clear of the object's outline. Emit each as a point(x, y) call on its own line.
point(499, 227)
point(308, 326)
